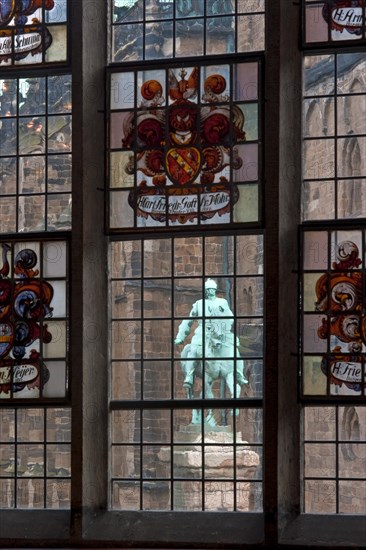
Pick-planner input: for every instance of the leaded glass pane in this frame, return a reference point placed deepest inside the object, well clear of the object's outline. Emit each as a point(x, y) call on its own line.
point(334, 459)
point(213, 470)
point(181, 142)
point(35, 154)
point(35, 458)
point(334, 143)
point(178, 305)
point(144, 29)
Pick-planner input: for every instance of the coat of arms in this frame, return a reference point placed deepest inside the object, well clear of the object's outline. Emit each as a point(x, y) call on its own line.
point(184, 149)
point(25, 302)
point(340, 297)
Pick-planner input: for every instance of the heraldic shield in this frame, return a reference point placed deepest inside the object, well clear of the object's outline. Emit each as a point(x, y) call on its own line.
point(183, 165)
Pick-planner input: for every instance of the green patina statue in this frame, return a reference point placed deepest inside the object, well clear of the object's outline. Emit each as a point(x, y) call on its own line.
point(213, 344)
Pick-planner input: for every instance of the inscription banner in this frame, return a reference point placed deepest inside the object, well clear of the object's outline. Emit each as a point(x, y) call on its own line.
point(182, 207)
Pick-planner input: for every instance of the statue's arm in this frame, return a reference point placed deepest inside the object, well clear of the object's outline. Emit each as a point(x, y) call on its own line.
point(227, 310)
point(185, 326)
point(224, 309)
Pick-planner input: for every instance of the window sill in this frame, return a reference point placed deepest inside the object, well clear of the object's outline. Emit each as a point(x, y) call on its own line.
point(326, 530)
point(19, 526)
point(180, 528)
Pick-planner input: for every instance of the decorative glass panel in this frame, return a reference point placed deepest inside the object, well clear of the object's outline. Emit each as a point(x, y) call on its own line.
point(33, 320)
point(33, 32)
point(333, 319)
point(334, 128)
point(35, 458)
point(161, 29)
point(182, 141)
point(187, 325)
point(35, 154)
point(334, 456)
point(334, 21)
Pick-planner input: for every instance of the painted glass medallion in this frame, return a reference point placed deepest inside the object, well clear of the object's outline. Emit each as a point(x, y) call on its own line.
point(182, 147)
point(33, 31)
point(334, 324)
point(33, 327)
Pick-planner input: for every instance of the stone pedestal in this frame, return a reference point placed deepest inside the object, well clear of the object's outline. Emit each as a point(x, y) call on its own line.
point(207, 468)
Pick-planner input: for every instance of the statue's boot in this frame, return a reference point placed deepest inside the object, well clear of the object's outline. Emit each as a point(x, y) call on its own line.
point(240, 379)
point(189, 379)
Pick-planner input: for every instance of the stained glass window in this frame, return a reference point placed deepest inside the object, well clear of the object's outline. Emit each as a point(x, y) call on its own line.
point(332, 342)
point(184, 146)
point(33, 320)
point(35, 154)
point(33, 32)
point(162, 29)
point(35, 197)
point(184, 150)
point(334, 21)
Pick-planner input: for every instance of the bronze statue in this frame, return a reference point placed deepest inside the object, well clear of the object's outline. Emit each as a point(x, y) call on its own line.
point(213, 344)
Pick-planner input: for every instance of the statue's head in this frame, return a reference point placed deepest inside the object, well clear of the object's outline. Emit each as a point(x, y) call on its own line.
point(210, 288)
